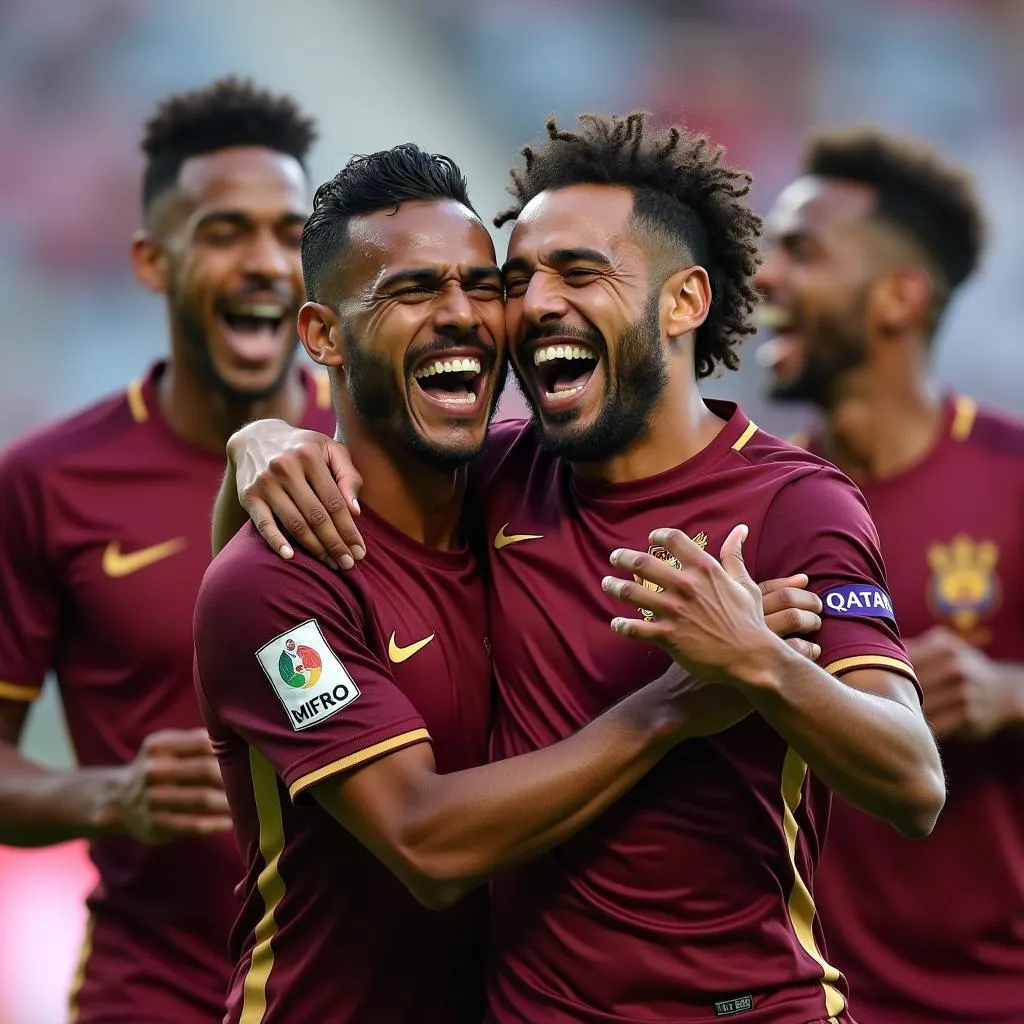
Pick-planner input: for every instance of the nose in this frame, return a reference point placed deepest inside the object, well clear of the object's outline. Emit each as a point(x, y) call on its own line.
point(267, 258)
point(543, 301)
point(455, 313)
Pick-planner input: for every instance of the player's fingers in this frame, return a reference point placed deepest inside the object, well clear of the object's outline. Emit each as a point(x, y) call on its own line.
point(637, 595)
point(731, 556)
point(168, 824)
point(193, 799)
point(183, 771)
point(348, 479)
point(179, 742)
point(790, 597)
point(797, 582)
point(655, 570)
point(689, 553)
point(638, 629)
point(263, 519)
point(805, 647)
point(792, 620)
point(329, 516)
point(284, 510)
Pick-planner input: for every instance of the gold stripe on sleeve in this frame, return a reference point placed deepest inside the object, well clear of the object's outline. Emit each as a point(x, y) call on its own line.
point(745, 436)
point(344, 763)
point(323, 391)
point(136, 403)
point(83, 962)
point(964, 414)
point(870, 661)
point(270, 885)
point(801, 907)
point(15, 691)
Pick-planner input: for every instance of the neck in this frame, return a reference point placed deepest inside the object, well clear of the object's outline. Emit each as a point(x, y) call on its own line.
point(680, 426)
point(424, 503)
point(206, 417)
point(882, 420)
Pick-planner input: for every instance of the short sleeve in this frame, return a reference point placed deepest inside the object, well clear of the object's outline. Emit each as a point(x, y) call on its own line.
point(819, 524)
point(30, 593)
point(282, 660)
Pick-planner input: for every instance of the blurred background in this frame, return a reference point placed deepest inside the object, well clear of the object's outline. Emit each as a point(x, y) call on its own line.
point(474, 79)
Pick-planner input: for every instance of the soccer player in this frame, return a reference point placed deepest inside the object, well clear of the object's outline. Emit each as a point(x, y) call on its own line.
point(865, 251)
point(351, 713)
point(628, 278)
point(104, 537)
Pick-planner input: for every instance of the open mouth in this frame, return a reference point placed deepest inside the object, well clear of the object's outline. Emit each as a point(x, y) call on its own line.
point(254, 330)
point(453, 382)
point(785, 344)
point(561, 371)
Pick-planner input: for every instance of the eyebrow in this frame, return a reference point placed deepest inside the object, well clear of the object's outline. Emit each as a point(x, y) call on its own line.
point(430, 277)
point(244, 220)
point(560, 258)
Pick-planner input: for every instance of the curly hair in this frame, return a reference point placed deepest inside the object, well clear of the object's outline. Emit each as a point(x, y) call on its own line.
point(367, 183)
point(227, 112)
point(682, 189)
point(931, 201)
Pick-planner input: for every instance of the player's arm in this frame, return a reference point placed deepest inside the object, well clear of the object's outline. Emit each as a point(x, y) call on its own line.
point(864, 735)
point(303, 481)
point(172, 788)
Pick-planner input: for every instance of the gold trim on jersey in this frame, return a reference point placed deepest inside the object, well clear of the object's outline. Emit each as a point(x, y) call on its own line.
point(801, 907)
point(83, 961)
point(870, 661)
point(323, 390)
point(745, 436)
point(136, 402)
point(344, 763)
point(270, 885)
point(965, 411)
point(15, 691)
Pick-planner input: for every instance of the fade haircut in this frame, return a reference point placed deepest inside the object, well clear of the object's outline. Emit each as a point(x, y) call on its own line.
point(928, 200)
point(366, 184)
point(681, 190)
point(228, 112)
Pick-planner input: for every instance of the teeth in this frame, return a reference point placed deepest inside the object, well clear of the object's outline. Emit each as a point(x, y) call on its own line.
point(772, 316)
point(566, 392)
point(549, 352)
point(467, 399)
point(468, 364)
point(263, 310)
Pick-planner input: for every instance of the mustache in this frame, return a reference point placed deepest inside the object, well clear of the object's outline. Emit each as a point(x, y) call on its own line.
point(281, 294)
point(467, 339)
point(541, 331)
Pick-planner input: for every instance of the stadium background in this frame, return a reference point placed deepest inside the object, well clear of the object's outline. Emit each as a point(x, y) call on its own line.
point(472, 78)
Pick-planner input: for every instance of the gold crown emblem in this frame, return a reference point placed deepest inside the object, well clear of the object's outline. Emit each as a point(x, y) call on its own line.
point(666, 556)
point(964, 586)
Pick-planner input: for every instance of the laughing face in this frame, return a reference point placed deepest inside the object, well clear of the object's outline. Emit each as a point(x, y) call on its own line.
point(420, 327)
point(582, 318)
point(228, 248)
point(816, 279)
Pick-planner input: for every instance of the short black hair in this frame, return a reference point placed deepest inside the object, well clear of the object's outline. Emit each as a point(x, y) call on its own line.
point(228, 112)
point(928, 199)
point(368, 183)
point(682, 189)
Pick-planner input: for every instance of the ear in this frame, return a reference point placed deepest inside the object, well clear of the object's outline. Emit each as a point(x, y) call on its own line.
point(685, 301)
point(321, 334)
point(901, 298)
point(149, 262)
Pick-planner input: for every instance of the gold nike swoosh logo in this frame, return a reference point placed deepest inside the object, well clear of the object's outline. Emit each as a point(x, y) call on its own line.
point(399, 654)
point(503, 539)
point(117, 564)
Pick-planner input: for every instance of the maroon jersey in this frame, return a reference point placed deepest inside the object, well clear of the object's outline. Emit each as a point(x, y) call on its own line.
point(932, 930)
point(104, 537)
point(304, 674)
point(690, 899)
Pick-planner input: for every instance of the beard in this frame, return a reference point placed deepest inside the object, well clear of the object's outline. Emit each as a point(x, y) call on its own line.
point(839, 344)
point(641, 376)
point(380, 401)
point(190, 326)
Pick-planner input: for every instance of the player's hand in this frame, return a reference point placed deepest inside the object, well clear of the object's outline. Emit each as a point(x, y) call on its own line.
point(173, 788)
point(306, 481)
point(966, 694)
point(789, 609)
point(707, 615)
